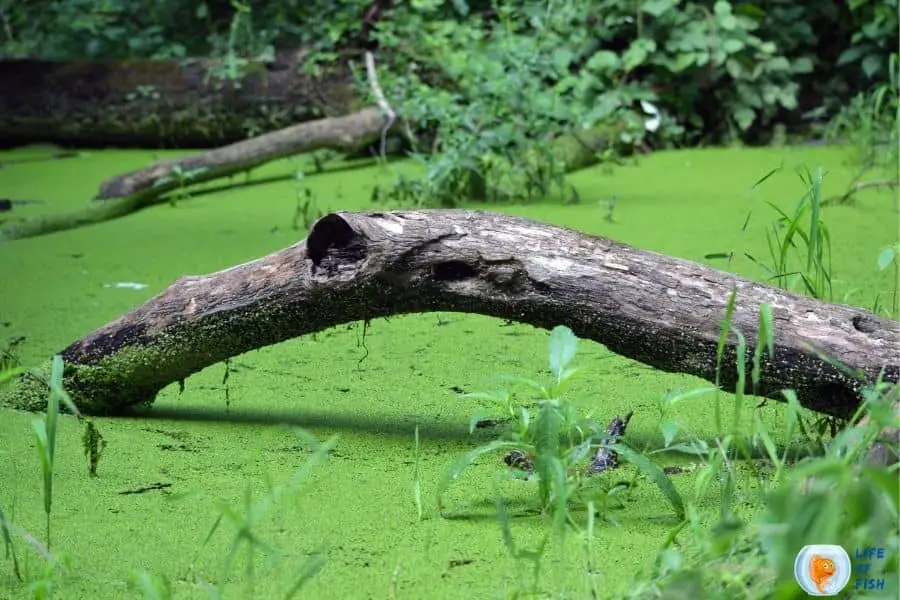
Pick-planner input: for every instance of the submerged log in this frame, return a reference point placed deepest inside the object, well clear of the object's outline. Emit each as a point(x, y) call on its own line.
point(164, 103)
point(662, 311)
point(130, 192)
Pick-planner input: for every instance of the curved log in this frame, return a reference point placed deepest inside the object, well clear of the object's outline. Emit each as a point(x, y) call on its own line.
point(661, 311)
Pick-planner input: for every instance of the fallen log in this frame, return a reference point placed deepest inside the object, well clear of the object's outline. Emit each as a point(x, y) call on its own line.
point(661, 311)
point(178, 103)
point(128, 193)
point(136, 190)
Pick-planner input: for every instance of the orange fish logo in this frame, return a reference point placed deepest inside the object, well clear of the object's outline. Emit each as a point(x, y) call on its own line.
point(821, 570)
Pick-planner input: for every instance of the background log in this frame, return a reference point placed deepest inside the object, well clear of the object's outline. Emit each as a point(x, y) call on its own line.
point(661, 311)
point(130, 192)
point(164, 103)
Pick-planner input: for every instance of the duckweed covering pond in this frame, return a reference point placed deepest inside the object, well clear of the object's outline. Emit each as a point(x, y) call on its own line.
point(163, 472)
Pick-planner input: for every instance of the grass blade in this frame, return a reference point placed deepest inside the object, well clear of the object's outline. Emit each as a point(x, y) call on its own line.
point(308, 570)
point(8, 545)
point(655, 474)
point(456, 469)
point(417, 483)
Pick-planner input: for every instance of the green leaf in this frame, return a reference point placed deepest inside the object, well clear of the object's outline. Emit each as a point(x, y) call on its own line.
point(733, 45)
point(565, 378)
point(655, 474)
point(456, 469)
point(804, 64)
point(885, 480)
point(546, 446)
point(794, 412)
point(851, 54)
point(769, 445)
point(765, 339)
point(44, 454)
point(604, 61)
point(728, 22)
point(669, 429)
point(885, 258)
point(563, 345)
point(56, 386)
point(656, 8)
point(537, 386)
point(673, 398)
point(744, 117)
point(683, 61)
point(462, 7)
point(562, 59)
point(498, 396)
point(694, 449)
point(637, 53)
point(724, 328)
point(308, 570)
point(10, 373)
point(580, 451)
point(872, 64)
point(706, 476)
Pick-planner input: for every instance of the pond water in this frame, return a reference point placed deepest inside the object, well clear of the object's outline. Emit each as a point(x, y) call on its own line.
point(164, 473)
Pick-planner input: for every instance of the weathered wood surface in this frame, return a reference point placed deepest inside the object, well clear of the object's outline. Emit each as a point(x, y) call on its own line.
point(659, 310)
point(165, 103)
point(344, 134)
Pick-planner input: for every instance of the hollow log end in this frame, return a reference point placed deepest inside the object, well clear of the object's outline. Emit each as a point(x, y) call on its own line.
point(330, 231)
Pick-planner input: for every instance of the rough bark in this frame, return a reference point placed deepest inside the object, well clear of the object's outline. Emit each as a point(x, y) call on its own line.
point(164, 103)
point(139, 189)
point(662, 311)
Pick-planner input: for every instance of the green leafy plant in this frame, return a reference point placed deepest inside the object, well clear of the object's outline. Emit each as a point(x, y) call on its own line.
point(184, 179)
point(45, 433)
point(832, 497)
point(869, 130)
point(799, 242)
point(558, 439)
point(306, 211)
point(890, 255)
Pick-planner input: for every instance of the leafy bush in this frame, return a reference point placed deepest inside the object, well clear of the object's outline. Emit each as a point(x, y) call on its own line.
point(720, 69)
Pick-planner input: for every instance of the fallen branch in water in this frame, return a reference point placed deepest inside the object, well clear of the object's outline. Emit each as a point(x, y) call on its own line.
point(855, 188)
point(662, 311)
point(128, 193)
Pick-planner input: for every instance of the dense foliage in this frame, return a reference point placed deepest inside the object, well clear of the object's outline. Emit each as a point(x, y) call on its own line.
point(487, 86)
point(720, 69)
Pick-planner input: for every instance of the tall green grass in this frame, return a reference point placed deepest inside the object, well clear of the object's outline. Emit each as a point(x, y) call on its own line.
point(799, 243)
point(45, 431)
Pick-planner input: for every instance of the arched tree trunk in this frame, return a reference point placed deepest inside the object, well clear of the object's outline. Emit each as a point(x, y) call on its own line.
point(659, 310)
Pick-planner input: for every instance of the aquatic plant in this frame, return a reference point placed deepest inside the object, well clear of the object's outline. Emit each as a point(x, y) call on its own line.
point(45, 433)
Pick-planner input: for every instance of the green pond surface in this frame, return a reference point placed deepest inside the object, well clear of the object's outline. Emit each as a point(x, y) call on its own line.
point(359, 506)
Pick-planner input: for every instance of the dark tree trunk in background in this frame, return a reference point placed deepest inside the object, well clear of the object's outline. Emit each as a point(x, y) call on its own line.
point(659, 310)
point(165, 103)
